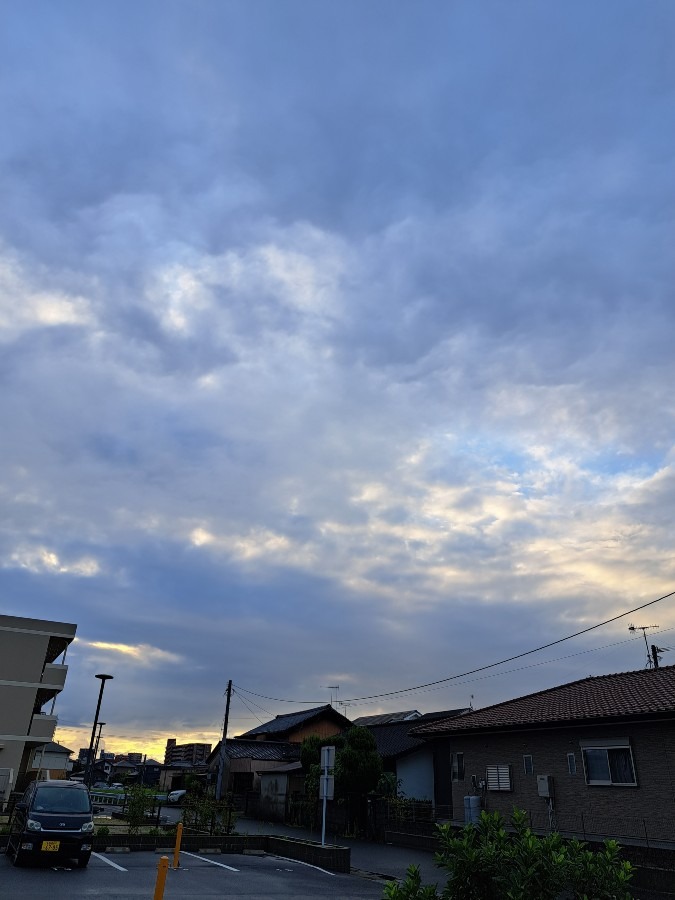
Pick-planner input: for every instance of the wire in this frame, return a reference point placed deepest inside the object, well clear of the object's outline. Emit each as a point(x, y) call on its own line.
point(493, 665)
point(248, 704)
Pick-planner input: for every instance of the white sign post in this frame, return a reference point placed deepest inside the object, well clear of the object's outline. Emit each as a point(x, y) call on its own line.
point(327, 784)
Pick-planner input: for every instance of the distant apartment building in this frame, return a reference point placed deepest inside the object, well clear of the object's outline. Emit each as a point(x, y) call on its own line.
point(196, 754)
point(32, 673)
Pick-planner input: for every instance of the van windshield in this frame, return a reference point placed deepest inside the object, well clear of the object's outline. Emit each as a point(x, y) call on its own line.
point(61, 800)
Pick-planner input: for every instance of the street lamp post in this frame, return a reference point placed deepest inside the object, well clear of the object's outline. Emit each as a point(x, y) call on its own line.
point(90, 761)
point(98, 739)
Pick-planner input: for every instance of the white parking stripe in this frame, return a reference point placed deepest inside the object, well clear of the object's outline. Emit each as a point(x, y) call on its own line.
point(309, 865)
point(109, 861)
point(212, 861)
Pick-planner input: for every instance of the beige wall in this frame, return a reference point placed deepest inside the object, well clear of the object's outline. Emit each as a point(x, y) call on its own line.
point(24, 651)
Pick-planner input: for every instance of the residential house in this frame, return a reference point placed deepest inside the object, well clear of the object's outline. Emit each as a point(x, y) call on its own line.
point(127, 770)
point(273, 744)
point(324, 721)
point(247, 760)
point(32, 674)
point(412, 760)
point(592, 757)
point(51, 761)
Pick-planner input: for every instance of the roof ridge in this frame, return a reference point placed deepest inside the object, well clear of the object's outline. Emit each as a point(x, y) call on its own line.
point(566, 684)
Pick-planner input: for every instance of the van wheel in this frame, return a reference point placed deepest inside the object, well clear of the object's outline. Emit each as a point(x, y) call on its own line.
point(83, 861)
point(18, 858)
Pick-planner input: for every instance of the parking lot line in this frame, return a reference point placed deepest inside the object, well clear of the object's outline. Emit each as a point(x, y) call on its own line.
point(299, 862)
point(212, 861)
point(110, 862)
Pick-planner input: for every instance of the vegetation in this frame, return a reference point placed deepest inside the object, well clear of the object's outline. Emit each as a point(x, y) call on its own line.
point(202, 812)
point(358, 765)
point(139, 802)
point(358, 769)
point(487, 862)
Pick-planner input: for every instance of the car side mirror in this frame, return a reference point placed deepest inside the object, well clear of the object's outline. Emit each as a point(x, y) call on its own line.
point(21, 805)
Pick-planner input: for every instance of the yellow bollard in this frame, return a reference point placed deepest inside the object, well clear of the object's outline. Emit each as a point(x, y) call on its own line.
point(179, 838)
point(162, 869)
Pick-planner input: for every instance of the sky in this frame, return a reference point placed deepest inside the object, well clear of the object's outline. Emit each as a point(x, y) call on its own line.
point(336, 349)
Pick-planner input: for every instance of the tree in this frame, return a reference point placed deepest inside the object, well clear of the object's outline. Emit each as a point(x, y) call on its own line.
point(358, 765)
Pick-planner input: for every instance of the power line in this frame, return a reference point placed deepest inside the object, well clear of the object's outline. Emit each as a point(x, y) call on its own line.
point(248, 706)
point(484, 668)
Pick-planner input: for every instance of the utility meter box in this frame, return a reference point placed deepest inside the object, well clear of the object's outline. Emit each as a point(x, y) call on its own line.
point(545, 785)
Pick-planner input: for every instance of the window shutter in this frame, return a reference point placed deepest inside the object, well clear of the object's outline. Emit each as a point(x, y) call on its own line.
point(498, 778)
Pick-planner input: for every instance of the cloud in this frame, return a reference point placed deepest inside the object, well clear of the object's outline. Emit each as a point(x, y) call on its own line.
point(327, 345)
point(140, 654)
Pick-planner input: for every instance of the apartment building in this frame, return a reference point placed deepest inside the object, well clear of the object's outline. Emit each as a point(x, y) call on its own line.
point(195, 754)
point(32, 673)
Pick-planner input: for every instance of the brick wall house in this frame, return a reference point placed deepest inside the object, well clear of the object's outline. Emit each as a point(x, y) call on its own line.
point(594, 757)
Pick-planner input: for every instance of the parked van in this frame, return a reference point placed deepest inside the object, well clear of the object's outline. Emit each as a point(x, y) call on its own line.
point(53, 820)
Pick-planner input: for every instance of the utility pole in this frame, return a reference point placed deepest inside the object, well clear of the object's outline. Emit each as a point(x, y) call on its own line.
point(221, 760)
point(655, 655)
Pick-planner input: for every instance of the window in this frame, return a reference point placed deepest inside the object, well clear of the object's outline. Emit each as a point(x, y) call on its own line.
point(528, 764)
point(458, 767)
point(571, 764)
point(608, 762)
point(498, 778)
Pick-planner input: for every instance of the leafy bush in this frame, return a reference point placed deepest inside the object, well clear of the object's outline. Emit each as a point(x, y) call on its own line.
point(486, 862)
point(139, 801)
point(411, 889)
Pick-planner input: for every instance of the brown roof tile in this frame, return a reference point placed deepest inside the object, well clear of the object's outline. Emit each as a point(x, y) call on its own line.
point(646, 692)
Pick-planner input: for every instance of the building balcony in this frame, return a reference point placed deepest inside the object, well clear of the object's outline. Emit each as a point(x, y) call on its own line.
point(54, 676)
point(52, 682)
point(42, 729)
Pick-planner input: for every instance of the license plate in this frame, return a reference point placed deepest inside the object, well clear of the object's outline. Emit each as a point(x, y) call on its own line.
point(51, 846)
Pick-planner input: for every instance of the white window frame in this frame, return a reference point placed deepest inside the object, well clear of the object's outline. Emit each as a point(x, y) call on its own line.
point(498, 778)
point(528, 769)
point(571, 763)
point(606, 745)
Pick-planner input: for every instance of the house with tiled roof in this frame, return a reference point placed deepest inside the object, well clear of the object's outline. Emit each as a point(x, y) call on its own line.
point(406, 715)
point(411, 759)
point(594, 757)
point(273, 744)
point(324, 721)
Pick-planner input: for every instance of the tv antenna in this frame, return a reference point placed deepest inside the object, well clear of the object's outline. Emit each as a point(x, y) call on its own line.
point(652, 660)
point(331, 688)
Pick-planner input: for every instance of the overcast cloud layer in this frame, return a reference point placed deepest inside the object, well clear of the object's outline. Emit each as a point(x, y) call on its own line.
point(336, 347)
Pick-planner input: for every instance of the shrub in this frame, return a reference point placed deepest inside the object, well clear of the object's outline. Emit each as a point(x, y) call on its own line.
point(487, 862)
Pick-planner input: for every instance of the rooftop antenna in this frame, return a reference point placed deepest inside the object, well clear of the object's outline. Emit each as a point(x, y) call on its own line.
point(331, 688)
point(471, 702)
point(651, 662)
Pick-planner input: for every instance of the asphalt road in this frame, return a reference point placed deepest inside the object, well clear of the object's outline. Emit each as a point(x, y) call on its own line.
point(122, 876)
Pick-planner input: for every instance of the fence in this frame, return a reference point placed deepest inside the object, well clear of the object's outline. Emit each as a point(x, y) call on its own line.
point(420, 818)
